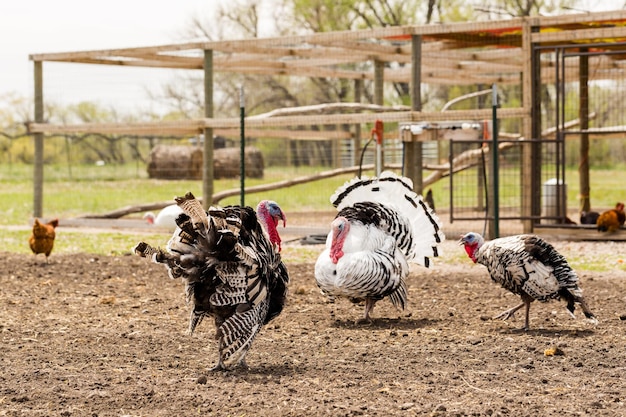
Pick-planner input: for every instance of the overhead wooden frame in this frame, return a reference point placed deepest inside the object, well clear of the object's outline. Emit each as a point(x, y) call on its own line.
point(495, 52)
point(485, 52)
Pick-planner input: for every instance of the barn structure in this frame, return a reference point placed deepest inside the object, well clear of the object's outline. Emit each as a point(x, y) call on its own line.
point(563, 52)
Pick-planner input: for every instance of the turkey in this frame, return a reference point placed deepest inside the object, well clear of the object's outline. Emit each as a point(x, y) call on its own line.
point(166, 218)
point(230, 262)
point(380, 227)
point(527, 266)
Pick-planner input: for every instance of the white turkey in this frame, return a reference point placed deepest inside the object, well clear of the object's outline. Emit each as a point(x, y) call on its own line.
point(530, 267)
point(166, 218)
point(230, 262)
point(381, 226)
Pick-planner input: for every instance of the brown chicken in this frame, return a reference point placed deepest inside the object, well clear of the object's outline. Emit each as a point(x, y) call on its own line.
point(42, 239)
point(611, 220)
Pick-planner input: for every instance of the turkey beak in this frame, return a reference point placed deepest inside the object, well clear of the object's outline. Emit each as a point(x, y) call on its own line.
point(462, 240)
point(281, 216)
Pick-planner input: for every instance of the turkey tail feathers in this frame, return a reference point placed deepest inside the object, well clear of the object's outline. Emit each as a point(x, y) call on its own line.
point(400, 296)
point(396, 193)
point(193, 208)
point(383, 189)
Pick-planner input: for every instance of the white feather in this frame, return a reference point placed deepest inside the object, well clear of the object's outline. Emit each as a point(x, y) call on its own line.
point(166, 218)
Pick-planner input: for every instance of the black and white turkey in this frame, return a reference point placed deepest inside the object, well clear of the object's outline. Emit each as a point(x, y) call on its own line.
point(527, 266)
point(229, 260)
point(381, 226)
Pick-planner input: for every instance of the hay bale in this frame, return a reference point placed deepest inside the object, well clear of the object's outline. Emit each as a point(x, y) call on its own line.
point(226, 163)
point(185, 162)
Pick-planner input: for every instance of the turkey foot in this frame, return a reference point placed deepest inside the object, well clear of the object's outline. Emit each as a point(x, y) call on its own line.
point(505, 315)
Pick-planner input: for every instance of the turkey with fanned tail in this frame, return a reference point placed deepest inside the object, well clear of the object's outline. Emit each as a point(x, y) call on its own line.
point(229, 260)
point(527, 266)
point(381, 226)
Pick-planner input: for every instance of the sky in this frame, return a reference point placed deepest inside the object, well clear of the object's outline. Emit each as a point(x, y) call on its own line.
point(44, 26)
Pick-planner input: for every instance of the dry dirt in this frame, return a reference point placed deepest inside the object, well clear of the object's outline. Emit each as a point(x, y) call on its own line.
point(93, 335)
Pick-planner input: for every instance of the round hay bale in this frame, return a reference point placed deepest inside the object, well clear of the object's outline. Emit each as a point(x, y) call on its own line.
point(185, 162)
point(226, 163)
point(175, 162)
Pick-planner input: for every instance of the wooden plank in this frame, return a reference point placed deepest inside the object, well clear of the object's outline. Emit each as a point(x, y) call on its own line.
point(466, 27)
point(527, 128)
point(191, 127)
point(572, 36)
point(304, 135)
point(582, 18)
point(135, 63)
point(182, 127)
point(577, 233)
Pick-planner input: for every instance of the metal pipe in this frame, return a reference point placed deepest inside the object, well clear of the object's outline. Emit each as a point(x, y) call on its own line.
point(495, 154)
point(242, 155)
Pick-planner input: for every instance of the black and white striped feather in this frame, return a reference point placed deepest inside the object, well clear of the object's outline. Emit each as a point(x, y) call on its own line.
point(389, 227)
point(231, 270)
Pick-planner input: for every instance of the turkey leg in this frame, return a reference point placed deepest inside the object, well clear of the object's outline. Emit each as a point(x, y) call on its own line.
point(505, 315)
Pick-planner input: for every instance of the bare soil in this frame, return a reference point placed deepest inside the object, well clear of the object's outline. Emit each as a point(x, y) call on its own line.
point(93, 335)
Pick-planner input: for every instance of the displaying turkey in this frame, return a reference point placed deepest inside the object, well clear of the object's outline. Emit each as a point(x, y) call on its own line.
point(381, 226)
point(229, 260)
point(530, 267)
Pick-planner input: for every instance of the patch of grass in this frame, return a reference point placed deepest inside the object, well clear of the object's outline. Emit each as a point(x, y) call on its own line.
point(92, 190)
point(599, 262)
point(70, 241)
point(66, 198)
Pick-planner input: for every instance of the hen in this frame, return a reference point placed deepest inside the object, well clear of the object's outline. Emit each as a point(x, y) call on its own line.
point(381, 226)
point(611, 220)
point(229, 260)
point(42, 238)
point(527, 266)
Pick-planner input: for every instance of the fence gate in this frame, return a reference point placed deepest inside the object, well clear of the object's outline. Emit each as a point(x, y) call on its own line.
point(471, 193)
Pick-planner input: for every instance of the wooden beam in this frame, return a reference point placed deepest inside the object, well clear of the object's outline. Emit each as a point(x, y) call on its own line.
point(207, 160)
point(195, 126)
point(617, 33)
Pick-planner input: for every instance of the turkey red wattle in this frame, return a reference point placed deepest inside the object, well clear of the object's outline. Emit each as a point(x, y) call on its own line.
point(340, 227)
point(268, 213)
point(273, 235)
point(471, 251)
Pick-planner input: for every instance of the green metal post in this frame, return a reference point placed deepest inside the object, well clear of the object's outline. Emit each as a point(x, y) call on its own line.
point(242, 156)
point(495, 154)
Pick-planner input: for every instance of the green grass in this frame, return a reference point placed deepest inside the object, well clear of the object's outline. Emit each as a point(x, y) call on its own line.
point(69, 241)
point(102, 189)
point(66, 198)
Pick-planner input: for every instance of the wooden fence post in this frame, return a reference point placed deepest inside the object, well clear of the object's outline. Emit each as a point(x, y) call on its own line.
point(38, 139)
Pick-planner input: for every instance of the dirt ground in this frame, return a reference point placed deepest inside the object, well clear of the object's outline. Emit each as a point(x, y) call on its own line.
point(93, 335)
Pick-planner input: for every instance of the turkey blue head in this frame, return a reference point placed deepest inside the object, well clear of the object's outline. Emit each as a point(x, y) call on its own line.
point(472, 242)
point(269, 213)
